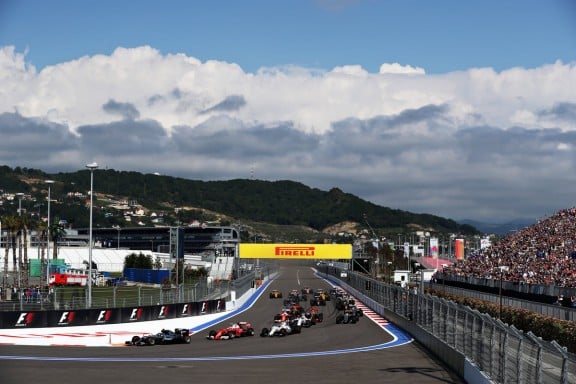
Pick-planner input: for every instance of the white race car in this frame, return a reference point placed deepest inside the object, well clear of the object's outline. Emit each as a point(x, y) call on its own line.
point(283, 328)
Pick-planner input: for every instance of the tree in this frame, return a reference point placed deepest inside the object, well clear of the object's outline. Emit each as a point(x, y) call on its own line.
point(140, 261)
point(10, 224)
point(43, 230)
point(57, 233)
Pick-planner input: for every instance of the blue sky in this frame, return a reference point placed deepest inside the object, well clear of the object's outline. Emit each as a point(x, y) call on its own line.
point(440, 36)
point(461, 109)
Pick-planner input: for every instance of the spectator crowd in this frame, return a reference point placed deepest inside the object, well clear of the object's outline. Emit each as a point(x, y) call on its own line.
point(544, 253)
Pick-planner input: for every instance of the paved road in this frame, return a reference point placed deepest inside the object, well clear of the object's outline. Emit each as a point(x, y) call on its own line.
point(317, 355)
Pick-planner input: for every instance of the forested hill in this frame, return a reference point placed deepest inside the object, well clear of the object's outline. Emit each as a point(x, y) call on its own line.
point(276, 202)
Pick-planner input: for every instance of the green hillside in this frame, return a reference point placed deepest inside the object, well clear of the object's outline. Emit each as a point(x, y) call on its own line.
point(273, 204)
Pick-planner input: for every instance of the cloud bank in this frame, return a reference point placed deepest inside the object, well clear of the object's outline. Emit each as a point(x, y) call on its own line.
point(477, 144)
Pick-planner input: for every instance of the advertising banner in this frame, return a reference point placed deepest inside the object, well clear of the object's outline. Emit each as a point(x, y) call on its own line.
point(434, 247)
point(67, 318)
point(295, 251)
point(485, 242)
point(135, 314)
point(459, 249)
point(24, 319)
point(161, 312)
point(186, 309)
point(212, 306)
point(104, 316)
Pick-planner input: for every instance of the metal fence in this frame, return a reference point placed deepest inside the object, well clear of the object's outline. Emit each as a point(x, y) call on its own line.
point(502, 352)
point(556, 311)
point(132, 295)
point(114, 297)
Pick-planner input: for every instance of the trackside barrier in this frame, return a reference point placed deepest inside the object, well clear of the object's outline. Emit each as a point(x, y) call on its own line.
point(129, 304)
point(80, 317)
point(479, 348)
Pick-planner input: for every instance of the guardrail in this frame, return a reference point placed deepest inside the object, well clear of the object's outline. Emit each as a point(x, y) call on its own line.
point(501, 352)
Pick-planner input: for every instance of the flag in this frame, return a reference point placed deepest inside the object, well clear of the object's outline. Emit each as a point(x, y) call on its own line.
point(434, 247)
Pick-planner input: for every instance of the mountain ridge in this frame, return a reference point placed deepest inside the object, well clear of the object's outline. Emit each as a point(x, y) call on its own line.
point(282, 203)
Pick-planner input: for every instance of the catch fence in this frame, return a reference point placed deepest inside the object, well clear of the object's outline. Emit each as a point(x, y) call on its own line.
point(503, 353)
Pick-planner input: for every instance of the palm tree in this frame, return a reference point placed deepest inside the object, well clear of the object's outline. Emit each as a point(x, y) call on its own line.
point(11, 223)
point(57, 233)
point(43, 237)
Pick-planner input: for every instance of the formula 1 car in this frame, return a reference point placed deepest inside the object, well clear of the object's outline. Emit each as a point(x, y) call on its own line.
point(283, 328)
point(314, 315)
point(239, 329)
point(350, 316)
point(165, 336)
point(296, 296)
point(319, 298)
point(275, 294)
point(307, 291)
point(344, 302)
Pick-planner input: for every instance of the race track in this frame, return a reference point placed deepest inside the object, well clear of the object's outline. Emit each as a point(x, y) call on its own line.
point(324, 353)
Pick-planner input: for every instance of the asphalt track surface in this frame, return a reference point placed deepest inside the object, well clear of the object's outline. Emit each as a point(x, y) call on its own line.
point(366, 352)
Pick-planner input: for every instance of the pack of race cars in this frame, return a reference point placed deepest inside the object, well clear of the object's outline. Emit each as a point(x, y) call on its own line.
point(294, 315)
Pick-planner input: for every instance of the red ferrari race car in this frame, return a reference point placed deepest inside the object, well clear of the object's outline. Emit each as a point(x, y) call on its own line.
point(239, 329)
point(314, 315)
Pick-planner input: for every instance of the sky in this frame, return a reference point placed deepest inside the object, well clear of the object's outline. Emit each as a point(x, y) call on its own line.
point(460, 109)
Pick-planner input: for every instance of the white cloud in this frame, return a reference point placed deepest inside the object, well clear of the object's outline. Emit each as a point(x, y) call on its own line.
point(471, 144)
point(398, 69)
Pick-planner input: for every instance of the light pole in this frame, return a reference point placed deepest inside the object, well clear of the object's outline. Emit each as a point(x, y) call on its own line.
point(49, 182)
point(91, 167)
point(502, 269)
point(19, 195)
point(377, 240)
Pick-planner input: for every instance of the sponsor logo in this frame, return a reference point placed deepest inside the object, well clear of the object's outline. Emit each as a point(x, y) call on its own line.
point(66, 318)
point(185, 310)
point(25, 319)
point(287, 251)
point(136, 314)
point(219, 305)
point(104, 316)
point(163, 312)
point(204, 307)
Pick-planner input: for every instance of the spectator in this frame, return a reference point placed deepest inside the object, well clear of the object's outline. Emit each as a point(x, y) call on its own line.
point(543, 253)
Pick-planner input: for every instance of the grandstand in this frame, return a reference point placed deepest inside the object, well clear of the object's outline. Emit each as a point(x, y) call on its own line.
point(539, 260)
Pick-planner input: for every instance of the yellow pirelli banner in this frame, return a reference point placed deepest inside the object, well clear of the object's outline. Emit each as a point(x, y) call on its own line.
point(295, 251)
